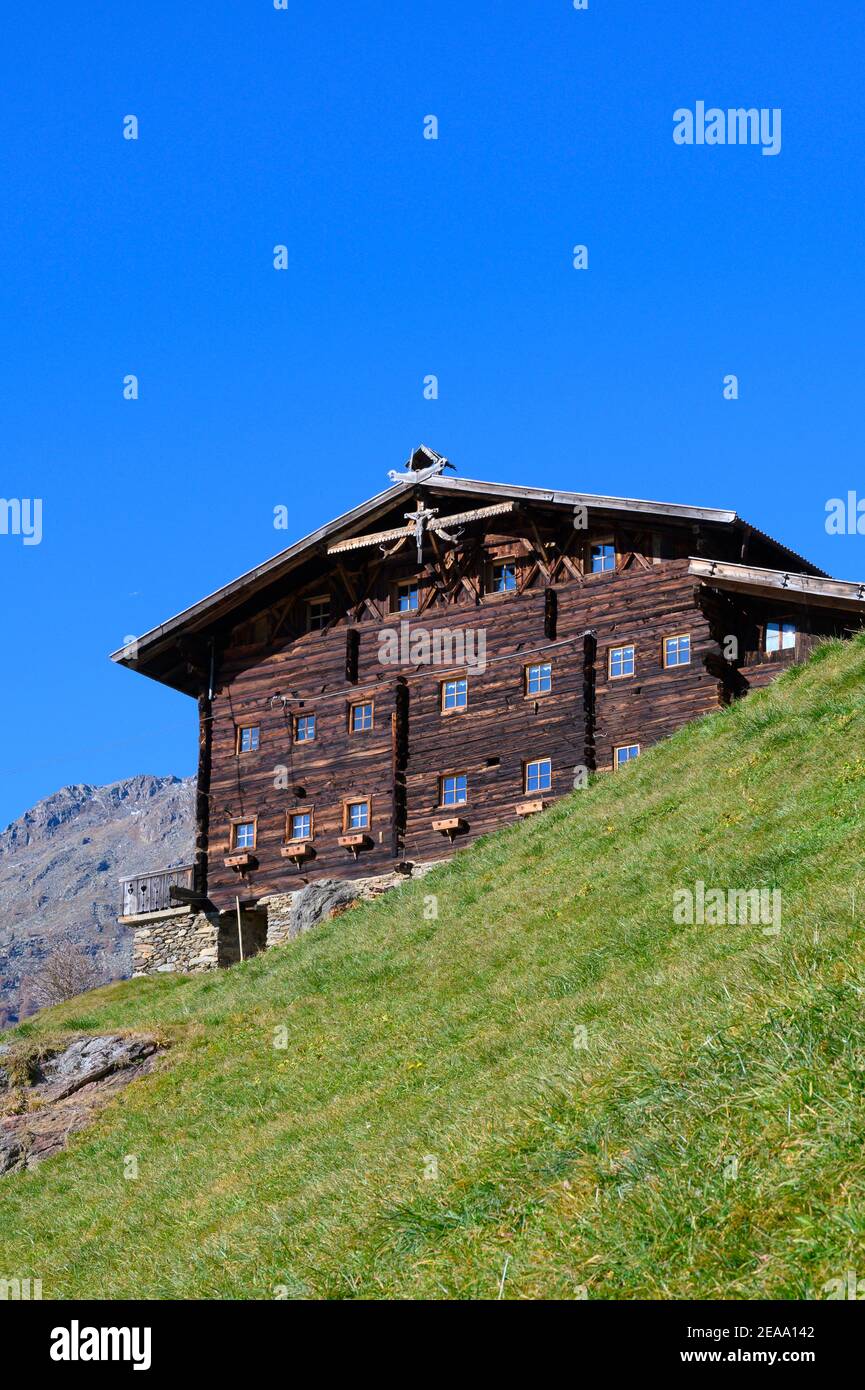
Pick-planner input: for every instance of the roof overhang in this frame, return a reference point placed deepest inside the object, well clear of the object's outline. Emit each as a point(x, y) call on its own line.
point(764, 583)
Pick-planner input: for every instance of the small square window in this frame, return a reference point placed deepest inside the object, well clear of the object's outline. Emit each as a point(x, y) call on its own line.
point(539, 775)
point(357, 815)
point(622, 662)
point(317, 614)
point(539, 679)
point(603, 557)
point(407, 596)
point(304, 728)
point(300, 825)
point(453, 791)
point(360, 719)
point(677, 650)
point(455, 694)
point(247, 738)
point(243, 834)
point(504, 577)
point(780, 636)
point(626, 753)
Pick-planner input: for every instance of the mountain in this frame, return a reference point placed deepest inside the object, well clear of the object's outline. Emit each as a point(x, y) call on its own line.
point(59, 870)
point(534, 1074)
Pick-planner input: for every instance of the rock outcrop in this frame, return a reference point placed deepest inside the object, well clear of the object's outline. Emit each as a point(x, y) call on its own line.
point(46, 1097)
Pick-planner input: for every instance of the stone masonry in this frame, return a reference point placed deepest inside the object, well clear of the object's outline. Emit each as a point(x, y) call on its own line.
point(188, 941)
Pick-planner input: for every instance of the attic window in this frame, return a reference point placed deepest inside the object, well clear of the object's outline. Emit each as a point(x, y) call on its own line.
point(603, 557)
point(780, 636)
point(504, 577)
point(247, 738)
point(317, 614)
point(407, 596)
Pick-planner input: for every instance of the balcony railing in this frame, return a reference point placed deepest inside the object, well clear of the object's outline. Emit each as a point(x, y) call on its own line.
point(152, 892)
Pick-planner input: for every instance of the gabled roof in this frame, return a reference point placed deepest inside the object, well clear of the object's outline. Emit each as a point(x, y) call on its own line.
point(199, 618)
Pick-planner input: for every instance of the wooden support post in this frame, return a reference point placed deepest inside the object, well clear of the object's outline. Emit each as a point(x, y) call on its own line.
point(202, 794)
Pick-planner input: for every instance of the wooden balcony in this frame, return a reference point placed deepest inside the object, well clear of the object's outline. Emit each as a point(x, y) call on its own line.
point(152, 892)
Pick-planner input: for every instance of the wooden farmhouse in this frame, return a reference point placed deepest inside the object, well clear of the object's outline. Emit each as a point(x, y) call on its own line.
point(453, 655)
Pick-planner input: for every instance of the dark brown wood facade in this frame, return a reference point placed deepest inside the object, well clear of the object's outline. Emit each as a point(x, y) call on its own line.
point(259, 667)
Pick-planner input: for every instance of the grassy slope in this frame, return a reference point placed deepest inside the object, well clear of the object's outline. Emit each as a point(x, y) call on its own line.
point(454, 1038)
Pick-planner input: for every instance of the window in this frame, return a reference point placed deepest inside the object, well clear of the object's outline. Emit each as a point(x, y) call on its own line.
point(300, 825)
point(247, 738)
point(626, 753)
point(539, 775)
point(505, 577)
point(357, 815)
point(243, 834)
point(622, 662)
point(780, 636)
point(304, 728)
point(453, 791)
point(360, 717)
point(539, 679)
point(407, 596)
point(317, 614)
point(677, 650)
point(603, 557)
point(455, 694)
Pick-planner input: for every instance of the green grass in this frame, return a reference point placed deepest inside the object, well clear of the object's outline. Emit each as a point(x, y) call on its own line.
point(418, 1046)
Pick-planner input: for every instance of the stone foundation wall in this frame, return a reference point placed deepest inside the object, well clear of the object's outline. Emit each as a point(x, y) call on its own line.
point(167, 941)
point(191, 941)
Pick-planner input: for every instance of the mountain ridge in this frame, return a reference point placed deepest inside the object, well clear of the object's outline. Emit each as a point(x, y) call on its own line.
point(60, 863)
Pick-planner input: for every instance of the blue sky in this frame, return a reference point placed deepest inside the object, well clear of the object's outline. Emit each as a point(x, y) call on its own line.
point(407, 257)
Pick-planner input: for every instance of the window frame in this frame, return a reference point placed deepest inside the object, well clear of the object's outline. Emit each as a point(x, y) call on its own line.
point(347, 803)
point(453, 680)
point(596, 544)
point(299, 839)
point(240, 729)
point(361, 704)
point(500, 562)
point(445, 777)
point(780, 624)
point(676, 637)
point(399, 586)
point(234, 823)
point(618, 748)
point(623, 675)
point(295, 720)
point(537, 762)
point(536, 666)
point(310, 602)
